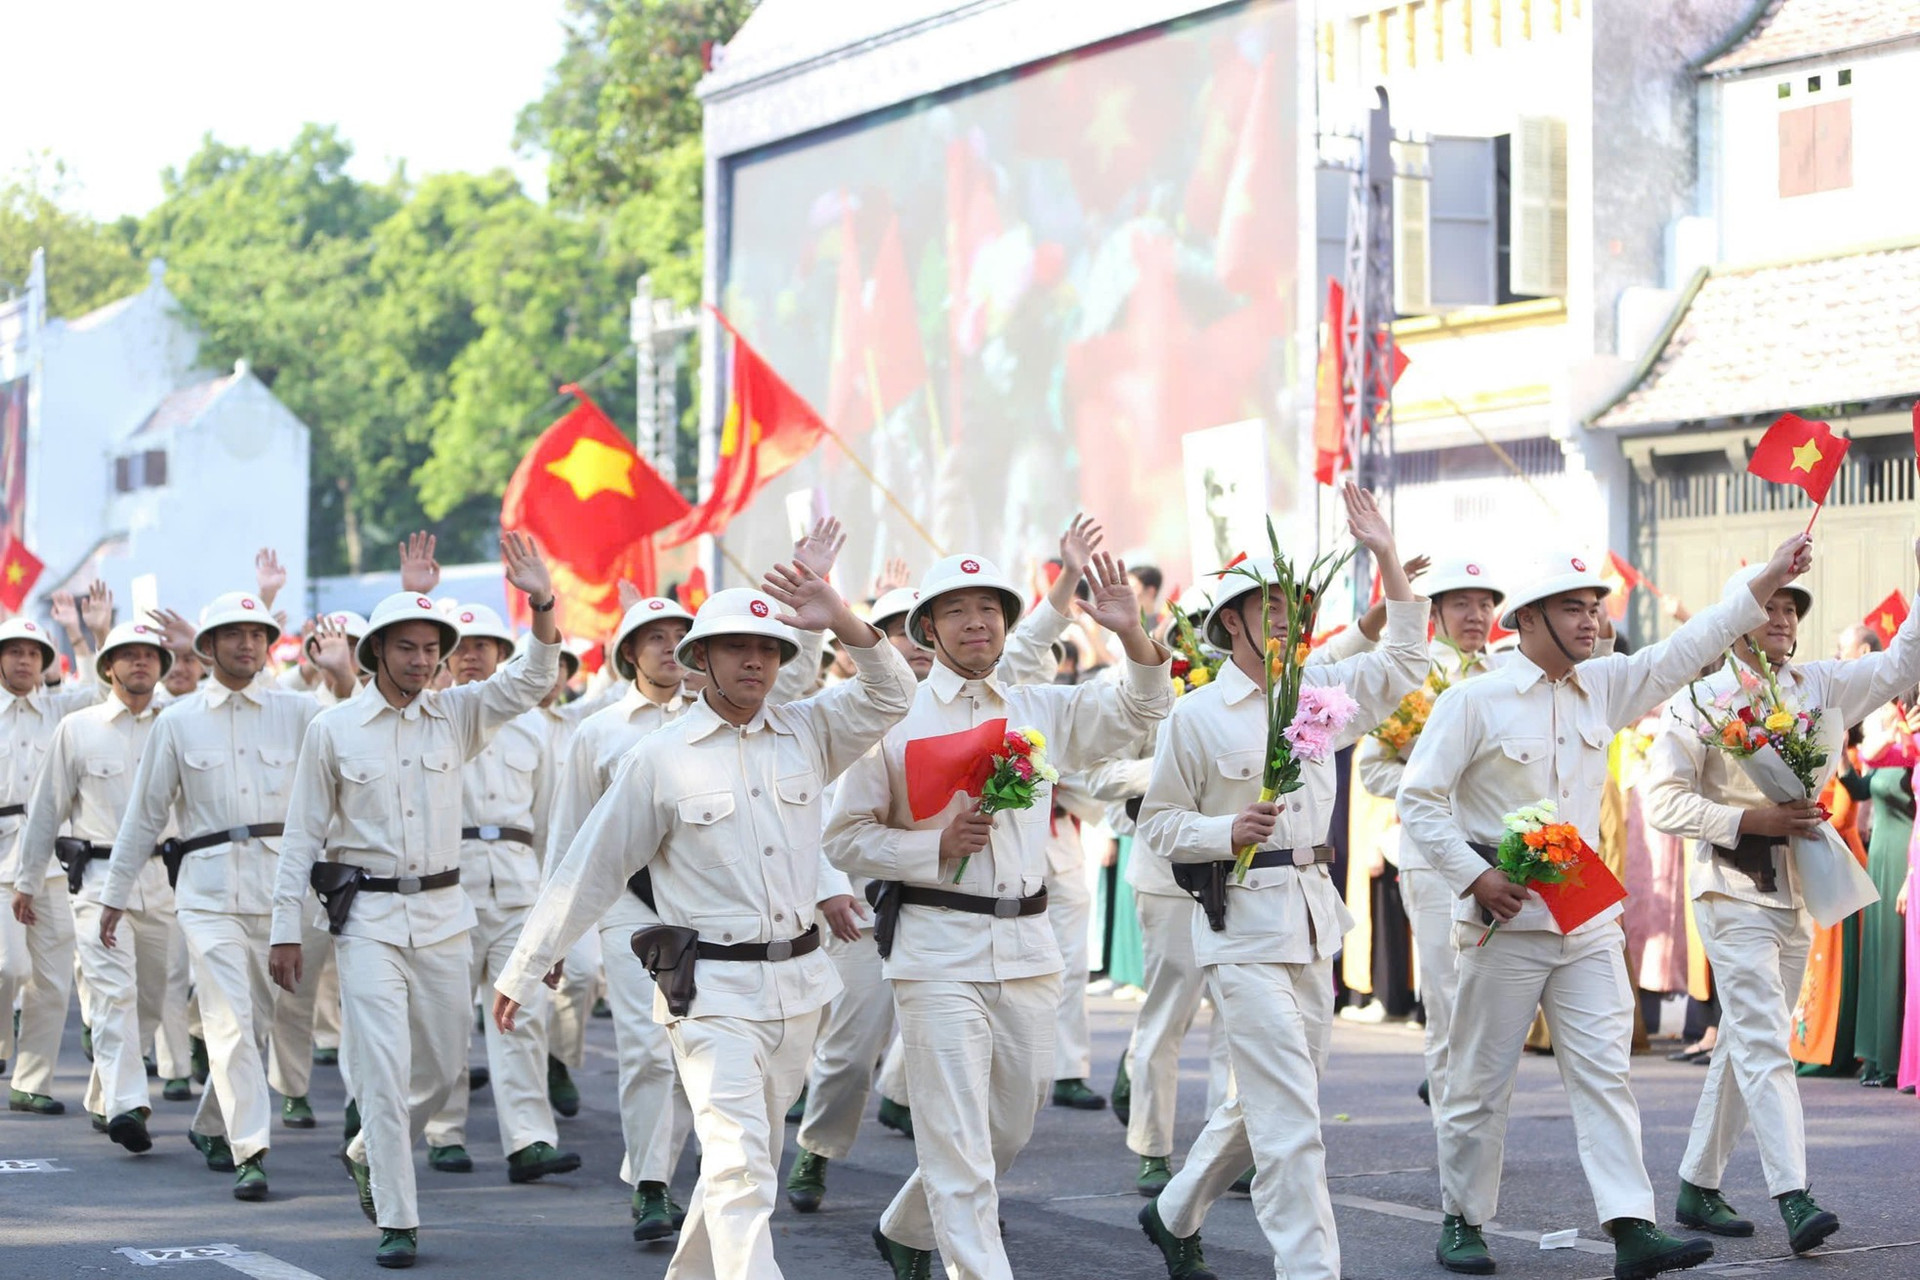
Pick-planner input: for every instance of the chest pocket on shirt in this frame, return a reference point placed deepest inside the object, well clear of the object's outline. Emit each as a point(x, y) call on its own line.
point(522, 763)
point(202, 773)
point(1593, 761)
point(713, 842)
point(276, 765)
point(105, 767)
point(363, 789)
point(1523, 750)
point(1240, 766)
point(443, 787)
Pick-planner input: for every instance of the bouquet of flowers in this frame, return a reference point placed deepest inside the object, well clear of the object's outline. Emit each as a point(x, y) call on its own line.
point(1301, 723)
point(1194, 665)
point(1018, 767)
point(1536, 849)
point(1777, 744)
point(1402, 729)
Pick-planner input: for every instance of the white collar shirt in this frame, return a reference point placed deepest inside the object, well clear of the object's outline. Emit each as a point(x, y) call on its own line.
point(26, 730)
point(84, 787)
point(509, 784)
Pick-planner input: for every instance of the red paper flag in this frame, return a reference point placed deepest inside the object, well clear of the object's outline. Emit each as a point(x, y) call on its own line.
point(1588, 890)
point(1801, 453)
point(1622, 578)
point(19, 570)
point(1886, 617)
point(940, 768)
point(693, 592)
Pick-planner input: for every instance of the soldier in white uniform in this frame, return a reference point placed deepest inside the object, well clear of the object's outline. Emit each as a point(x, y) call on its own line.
point(975, 970)
point(36, 940)
point(1268, 954)
point(378, 791)
point(506, 794)
point(1539, 729)
point(1745, 887)
point(722, 806)
point(84, 787)
point(222, 759)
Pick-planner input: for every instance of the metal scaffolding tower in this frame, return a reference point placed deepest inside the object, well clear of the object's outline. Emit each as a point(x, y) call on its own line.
point(1366, 328)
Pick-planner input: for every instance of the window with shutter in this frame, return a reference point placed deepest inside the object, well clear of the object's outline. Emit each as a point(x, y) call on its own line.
point(1816, 148)
point(156, 468)
point(1539, 207)
point(123, 475)
point(1464, 233)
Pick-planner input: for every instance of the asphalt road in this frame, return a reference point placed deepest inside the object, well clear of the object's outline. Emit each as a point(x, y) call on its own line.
point(1068, 1202)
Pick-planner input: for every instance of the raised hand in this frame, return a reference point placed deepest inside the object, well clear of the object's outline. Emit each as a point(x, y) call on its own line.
point(1077, 545)
point(810, 600)
point(525, 569)
point(268, 574)
point(97, 611)
point(892, 577)
point(1114, 605)
point(66, 613)
point(629, 595)
point(419, 571)
point(1417, 567)
point(1366, 523)
point(332, 649)
point(820, 549)
point(175, 631)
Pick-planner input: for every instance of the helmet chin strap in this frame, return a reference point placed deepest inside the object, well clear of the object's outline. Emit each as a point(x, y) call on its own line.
point(394, 680)
point(1555, 637)
point(971, 673)
point(713, 683)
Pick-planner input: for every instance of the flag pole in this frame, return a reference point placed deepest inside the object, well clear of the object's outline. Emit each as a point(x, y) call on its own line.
point(1808, 532)
point(746, 574)
point(885, 492)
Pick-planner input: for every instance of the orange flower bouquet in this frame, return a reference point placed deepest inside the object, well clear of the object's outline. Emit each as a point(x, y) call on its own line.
point(1536, 849)
point(1402, 729)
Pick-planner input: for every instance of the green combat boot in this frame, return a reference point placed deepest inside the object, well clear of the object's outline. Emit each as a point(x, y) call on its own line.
point(1243, 1185)
point(1707, 1210)
point(807, 1181)
point(177, 1091)
point(561, 1091)
point(798, 1111)
point(601, 1009)
point(129, 1129)
point(1462, 1248)
point(1425, 1093)
point(1154, 1176)
point(219, 1155)
point(397, 1248)
point(250, 1179)
point(534, 1162)
point(896, 1117)
point(362, 1185)
point(326, 1057)
point(655, 1215)
point(296, 1114)
point(86, 1041)
point(1642, 1250)
point(99, 1121)
point(197, 1057)
point(1123, 1093)
point(350, 1122)
point(1184, 1258)
point(452, 1159)
point(1807, 1223)
point(38, 1103)
point(907, 1264)
point(1075, 1094)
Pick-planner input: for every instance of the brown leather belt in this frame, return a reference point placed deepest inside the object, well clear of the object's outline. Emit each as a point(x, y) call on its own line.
point(232, 835)
point(516, 835)
point(784, 949)
point(1004, 908)
point(410, 884)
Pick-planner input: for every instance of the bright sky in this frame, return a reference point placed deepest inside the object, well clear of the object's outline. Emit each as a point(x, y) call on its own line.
point(120, 89)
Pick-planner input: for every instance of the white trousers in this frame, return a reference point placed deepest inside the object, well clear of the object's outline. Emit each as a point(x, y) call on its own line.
point(1070, 912)
point(236, 1013)
point(573, 1002)
point(326, 1003)
point(655, 1117)
point(741, 1076)
point(179, 1012)
point(291, 1042)
point(1175, 986)
point(126, 993)
point(47, 950)
point(858, 1025)
point(1279, 1020)
point(1580, 984)
point(979, 1059)
point(1758, 954)
point(893, 1084)
point(405, 1014)
point(516, 1063)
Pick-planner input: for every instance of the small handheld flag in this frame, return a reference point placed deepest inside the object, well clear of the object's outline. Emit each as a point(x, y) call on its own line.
point(1804, 454)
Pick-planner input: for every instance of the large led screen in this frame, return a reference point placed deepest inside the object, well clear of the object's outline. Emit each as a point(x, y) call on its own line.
point(1015, 300)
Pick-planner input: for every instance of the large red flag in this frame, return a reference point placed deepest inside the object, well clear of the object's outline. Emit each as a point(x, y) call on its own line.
point(940, 768)
point(893, 322)
point(1801, 453)
point(1330, 455)
point(1886, 617)
point(19, 570)
point(768, 428)
point(1622, 578)
point(1587, 890)
point(592, 503)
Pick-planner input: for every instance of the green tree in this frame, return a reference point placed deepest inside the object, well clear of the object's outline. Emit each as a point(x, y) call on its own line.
point(89, 263)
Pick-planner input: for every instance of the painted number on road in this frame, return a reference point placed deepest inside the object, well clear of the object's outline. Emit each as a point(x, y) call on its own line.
point(29, 1166)
point(181, 1253)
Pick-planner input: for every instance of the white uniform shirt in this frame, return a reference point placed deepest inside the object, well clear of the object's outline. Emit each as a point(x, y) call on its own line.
point(218, 760)
point(1514, 738)
point(26, 731)
point(1209, 766)
point(509, 784)
point(1699, 792)
point(380, 788)
point(872, 832)
point(84, 787)
point(1381, 768)
point(728, 822)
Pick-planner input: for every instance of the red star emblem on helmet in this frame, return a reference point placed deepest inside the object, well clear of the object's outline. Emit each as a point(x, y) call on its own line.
point(759, 608)
point(28, 626)
point(246, 604)
point(656, 605)
point(422, 602)
point(969, 566)
point(466, 617)
point(1473, 570)
point(1579, 565)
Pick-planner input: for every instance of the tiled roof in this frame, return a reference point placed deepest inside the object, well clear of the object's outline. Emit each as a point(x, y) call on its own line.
point(1761, 340)
point(178, 408)
point(1794, 29)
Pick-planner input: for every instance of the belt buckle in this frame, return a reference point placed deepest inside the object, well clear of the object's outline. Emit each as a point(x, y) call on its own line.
point(489, 833)
point(781, 950)
point(407, 884)
point(1303, 856)
point(239, 834)
point(1006, 908)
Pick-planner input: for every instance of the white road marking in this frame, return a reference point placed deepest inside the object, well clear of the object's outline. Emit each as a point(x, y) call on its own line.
point(1759, 1266)
point(261, 1266)
point(264, 1266)
point(1411, 1214)
point(30, 1166)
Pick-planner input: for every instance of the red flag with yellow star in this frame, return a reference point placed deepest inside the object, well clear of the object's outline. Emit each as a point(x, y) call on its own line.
point(593, 504)
point(1886, 617)
point(19, 570)
point(1800, 453)
point(768, 428)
